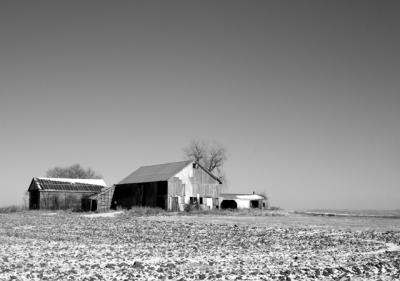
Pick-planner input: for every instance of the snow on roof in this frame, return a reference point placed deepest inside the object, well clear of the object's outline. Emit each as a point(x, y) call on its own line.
point(233, 196)
point(86, 181)
point(67, 184)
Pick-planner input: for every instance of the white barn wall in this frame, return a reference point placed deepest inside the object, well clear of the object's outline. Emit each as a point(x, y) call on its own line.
point(184, 175)
point(208, 202)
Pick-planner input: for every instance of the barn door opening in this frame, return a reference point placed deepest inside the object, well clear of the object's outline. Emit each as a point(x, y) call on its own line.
point(94, 206)
point(254, 204)
point(85, 204)
point(229, 204)
point(34, 200)
point(161, 195)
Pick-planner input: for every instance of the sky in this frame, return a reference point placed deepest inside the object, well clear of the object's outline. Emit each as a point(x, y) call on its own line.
point(304, 95)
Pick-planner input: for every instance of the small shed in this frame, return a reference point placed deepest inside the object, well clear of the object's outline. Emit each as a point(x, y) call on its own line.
point(102, 201)
point(242, 201)
point(169, 186)
point(63, 193)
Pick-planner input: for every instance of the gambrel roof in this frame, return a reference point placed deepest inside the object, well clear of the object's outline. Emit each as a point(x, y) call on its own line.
point(63, 184)
point(160, 172)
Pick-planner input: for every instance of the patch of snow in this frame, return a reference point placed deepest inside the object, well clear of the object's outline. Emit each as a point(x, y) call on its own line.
point(103, 215)
point(392, 247)
point(49, 214)
point(24, 227)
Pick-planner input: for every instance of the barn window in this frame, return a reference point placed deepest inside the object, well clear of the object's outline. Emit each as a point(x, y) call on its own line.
point(201, 200)
point(194, 165)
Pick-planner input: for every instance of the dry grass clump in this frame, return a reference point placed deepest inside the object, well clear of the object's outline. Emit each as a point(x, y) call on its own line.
point(145, 211)
point(149, 211)
point(11, 209)
point(237, 212)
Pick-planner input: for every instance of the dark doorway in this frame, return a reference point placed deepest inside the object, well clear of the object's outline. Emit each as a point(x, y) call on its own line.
point(229, 204)
point(88, 205)
point(254, 204)
point(94, 206)
point(34, 200)
point(85, 204)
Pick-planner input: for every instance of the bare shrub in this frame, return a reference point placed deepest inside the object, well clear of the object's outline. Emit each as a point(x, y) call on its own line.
point(11, 209)
point(145, 211)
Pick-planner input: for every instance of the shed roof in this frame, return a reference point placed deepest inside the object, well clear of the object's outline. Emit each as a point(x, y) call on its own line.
point(233, 196)
point(152, 173)
point(63, 184)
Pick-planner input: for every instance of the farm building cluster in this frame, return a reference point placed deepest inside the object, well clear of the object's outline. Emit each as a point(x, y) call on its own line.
point(171, 186)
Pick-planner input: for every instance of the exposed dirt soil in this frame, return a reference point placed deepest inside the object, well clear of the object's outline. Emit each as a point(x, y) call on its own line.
point(69, 246)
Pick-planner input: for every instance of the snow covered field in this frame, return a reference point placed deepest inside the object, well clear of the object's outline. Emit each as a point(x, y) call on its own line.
point(119, 246)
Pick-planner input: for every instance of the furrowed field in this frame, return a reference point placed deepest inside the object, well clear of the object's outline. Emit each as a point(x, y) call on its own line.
point(73, 246)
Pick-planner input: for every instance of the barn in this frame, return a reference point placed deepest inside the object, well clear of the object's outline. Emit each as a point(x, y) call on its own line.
point(242, 201)
point(169, 186)
point(63, 193)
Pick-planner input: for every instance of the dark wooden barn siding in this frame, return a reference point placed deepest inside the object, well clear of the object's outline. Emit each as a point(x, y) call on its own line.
point(57, 200)
point(104, 199)
point(150, 194)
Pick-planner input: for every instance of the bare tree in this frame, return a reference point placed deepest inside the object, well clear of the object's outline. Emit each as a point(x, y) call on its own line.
point(75, 171)
point(211, 155)
point(197, 150)
point(215, 157)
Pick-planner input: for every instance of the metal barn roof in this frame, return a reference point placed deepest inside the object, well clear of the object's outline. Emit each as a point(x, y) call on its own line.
point(233, 196)
point(161, 172)
point(62, 184)
point(85, 181)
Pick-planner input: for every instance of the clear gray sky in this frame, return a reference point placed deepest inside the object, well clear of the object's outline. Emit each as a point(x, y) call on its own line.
point(305, 95)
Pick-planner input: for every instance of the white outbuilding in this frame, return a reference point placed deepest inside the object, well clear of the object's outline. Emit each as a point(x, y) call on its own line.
point(242, 201)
